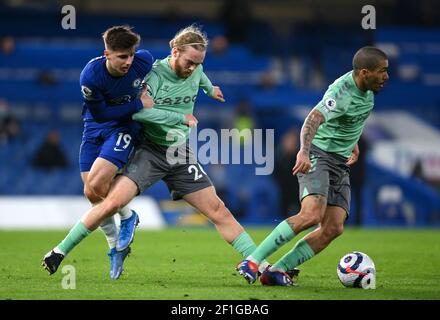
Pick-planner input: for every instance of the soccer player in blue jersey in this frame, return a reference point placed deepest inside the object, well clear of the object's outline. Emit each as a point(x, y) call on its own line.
point(112, 90)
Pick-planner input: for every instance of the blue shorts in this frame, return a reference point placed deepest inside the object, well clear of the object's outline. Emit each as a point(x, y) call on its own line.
point(114, 144)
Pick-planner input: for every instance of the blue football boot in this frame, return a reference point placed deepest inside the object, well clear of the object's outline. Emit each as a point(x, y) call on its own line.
point(126, 233)
point(249, 270)
point(117, 261)
point(276, 278)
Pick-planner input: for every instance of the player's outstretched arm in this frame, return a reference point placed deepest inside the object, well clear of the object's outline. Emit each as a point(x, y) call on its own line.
point(218, 94)
point(213, 91)
point(308, 131)
point(153, 115)
point(101, 112)
point(93, 97)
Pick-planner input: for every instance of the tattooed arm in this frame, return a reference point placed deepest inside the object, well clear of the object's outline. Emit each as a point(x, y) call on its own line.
point(308, 131)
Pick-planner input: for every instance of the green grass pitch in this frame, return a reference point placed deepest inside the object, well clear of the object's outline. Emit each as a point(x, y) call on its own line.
point(196, 264)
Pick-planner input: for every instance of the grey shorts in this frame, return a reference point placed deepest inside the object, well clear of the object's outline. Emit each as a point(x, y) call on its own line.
point(329, 176)
point(176, 166)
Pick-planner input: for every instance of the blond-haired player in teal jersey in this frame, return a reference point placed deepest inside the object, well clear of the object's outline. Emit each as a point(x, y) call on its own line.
point(173, 85)
point(329, 147)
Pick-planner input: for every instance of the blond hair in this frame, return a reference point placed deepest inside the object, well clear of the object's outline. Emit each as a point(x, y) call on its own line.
point(190, 36)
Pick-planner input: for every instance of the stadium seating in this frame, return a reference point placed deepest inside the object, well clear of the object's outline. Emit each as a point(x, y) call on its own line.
point(414, 86)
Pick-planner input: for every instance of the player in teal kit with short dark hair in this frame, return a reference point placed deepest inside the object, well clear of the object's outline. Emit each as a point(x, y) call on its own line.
point(329, 139)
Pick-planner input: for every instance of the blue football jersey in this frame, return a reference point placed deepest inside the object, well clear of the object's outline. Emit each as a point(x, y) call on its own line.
point(110, 101)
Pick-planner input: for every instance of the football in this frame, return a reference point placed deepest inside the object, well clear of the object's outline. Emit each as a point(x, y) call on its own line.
point(357, 270)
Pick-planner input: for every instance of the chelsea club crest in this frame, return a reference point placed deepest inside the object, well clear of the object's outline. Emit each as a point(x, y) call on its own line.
point(137, 83)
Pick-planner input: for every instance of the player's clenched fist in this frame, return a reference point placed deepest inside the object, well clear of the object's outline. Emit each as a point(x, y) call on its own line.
point(147, 101)
point(190, 120)
point(302, 164)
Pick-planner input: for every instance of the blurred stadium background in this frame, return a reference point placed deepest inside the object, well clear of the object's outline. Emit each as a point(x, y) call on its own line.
point(272, 59)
